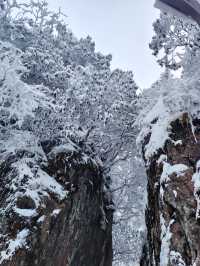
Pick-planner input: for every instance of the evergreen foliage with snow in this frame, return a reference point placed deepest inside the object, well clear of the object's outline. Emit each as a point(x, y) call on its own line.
point(170, 97)
point(173, 39)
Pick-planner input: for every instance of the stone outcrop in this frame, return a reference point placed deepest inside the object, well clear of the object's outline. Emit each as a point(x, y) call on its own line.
point(55, 207)
point(172, 215)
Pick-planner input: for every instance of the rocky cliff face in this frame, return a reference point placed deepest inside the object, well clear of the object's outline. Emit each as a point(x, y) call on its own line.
point(173, 213)
point(55, 207)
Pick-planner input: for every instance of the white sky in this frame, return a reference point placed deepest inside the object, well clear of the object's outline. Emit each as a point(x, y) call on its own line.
point(120, 27)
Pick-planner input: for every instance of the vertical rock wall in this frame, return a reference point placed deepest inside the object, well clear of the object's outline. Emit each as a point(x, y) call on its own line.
point(173, 215)
point(39, 227)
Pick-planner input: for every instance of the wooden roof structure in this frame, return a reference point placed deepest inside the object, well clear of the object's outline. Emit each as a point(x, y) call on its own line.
point(186, 8)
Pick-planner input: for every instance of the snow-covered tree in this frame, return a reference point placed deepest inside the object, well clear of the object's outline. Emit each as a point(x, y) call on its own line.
point(173, 37)
point(18, 100)
point(67, 89)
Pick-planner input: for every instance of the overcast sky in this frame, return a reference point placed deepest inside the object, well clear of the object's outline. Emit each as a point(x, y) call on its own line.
point(120, 27)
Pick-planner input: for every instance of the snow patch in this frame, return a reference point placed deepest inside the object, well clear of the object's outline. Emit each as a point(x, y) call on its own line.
point(168, 170)
point(34, 183)
point(64, 148)
point(56, 212)
point(175, 193)
point(163, 158)
point(165, 241)
point(196, 180)
point(41, 219)
point(15, 140)
point(25, 212)
point(178, 142)
point(157, 125)
point(14, 245)
point(176, 259)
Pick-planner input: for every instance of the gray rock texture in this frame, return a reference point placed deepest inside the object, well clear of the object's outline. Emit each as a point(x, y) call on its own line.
point(68, 222)
point(172, 214)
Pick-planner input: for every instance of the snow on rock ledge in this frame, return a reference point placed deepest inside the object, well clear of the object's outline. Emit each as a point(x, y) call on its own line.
point(172, 215)
point(165, 102)
point(170, 140)
point(52, 204)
